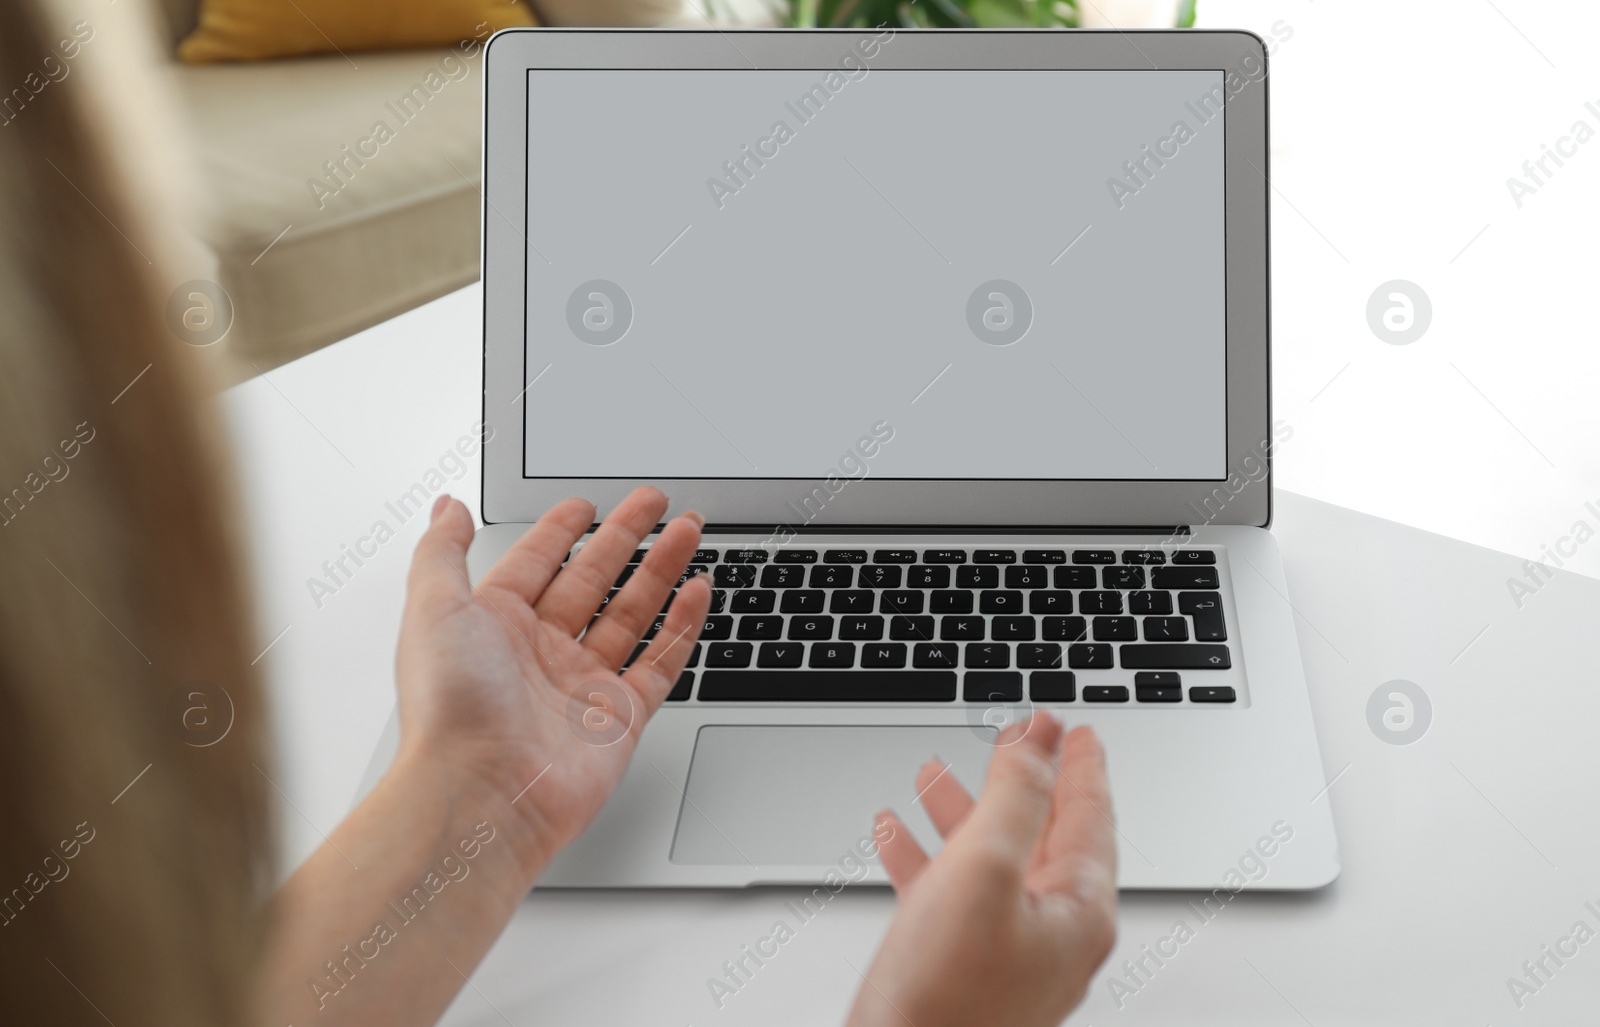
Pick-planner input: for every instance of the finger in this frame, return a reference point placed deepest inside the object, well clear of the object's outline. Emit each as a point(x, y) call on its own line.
point(656, 670)
point(947, 801)
point(573, 597)
point(636, 606)
point(1081, 849)
point(527, 567)
point(438, 574)
point(900, 854)
point(1015, 802)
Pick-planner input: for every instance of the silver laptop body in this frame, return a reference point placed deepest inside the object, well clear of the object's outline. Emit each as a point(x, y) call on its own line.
point(959, 340)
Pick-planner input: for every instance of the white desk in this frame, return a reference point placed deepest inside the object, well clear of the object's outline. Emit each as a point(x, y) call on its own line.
point(1463, 852)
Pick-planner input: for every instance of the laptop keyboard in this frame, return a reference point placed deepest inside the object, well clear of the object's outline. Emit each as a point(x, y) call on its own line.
point(968, 625)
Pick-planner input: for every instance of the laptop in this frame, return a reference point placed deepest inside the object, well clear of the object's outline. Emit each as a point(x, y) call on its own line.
point(959, 341)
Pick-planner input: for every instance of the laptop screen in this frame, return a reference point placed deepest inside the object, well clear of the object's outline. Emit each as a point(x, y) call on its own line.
point(914, 274)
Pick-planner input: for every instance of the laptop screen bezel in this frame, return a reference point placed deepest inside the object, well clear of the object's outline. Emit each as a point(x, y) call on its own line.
point(881, 504)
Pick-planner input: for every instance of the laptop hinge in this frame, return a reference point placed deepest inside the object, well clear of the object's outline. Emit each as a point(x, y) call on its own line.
point(791, 533)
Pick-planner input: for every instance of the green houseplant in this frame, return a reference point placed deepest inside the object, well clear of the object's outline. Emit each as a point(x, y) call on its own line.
point(947, 13)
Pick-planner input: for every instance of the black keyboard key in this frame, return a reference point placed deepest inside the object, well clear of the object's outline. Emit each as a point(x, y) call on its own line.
point(844, 556)
point(680, 691)
point(902, 601)
point(811, 627)
point(802, 600)
point(717, 627)
point(933, 654)
point(1206, 609)
point(1050, 602)
point(1158, 693)
point(911, 629)
point(783, 576)
point(691, 570)
point(868, 628)
point(795, 556)
point(879, 576)
point(832, 576)
point(1052, 686)
point(746, 556)
point(1150, 602)
point(1166, 629)
point(780, 654)
point(988, 686)
point(994, 556)
point(704, 556)
point(833, 654)
point(727, 576)
point(1027, 576)
point(1039, 654)
point(1193, 557)
point(961, 629)
point(627, 572)
point(1212, 693)
point(1093, 556)
point(1116, 629)
point(884, 654)
point(894, 556)
point(1089, 656)
point(1065, 629)
point(1074, 577)
point(1184, 577)
point(853, 601)
point(1157, 678)
point(828, 686)
point(1099, 693)
point(759, 627)
point(928, 577)
point(1044, 556)
point(944, 556)
point(977, 577)
point(1012, 629)
point(729, 654)
point(719, 600)
point(951, 601)
point(1154, 556)
point(638, 556)
point(1122, 578)
point(1170, 656)
point(753, 600)
point(1000, 601)
point(1100, 602)
point(694, 656)
point(988, 655)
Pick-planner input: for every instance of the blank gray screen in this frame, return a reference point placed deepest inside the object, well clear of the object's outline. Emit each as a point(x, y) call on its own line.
point(712, 296)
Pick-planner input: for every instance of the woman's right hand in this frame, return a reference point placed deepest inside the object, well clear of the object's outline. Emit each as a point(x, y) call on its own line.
point(1009, 923)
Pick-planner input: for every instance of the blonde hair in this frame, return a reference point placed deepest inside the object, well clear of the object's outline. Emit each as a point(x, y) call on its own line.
point(133, 829)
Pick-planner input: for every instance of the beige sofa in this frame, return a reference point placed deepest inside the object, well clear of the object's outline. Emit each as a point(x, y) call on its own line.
point(312, 240)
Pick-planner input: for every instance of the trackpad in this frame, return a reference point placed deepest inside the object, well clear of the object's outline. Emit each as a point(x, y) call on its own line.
point(806, 796)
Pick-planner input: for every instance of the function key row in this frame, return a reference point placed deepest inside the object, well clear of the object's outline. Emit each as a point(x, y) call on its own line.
point(1180, 557)
point(937, 576)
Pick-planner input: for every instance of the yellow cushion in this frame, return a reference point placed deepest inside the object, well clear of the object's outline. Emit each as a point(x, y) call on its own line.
point(253, 30)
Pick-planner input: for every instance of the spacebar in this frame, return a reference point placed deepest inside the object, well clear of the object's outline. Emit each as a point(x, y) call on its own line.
point(828, 686)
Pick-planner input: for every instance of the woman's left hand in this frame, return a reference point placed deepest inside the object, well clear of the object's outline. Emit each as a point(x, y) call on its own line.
point(510, 684)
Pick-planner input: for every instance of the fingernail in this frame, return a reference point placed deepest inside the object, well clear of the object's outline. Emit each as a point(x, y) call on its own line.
point(438, 507)
point(694, 515)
